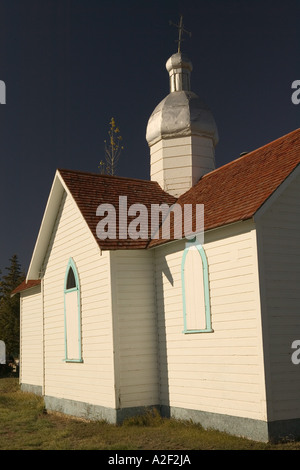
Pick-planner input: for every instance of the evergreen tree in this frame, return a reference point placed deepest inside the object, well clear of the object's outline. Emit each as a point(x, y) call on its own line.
point(10, 307)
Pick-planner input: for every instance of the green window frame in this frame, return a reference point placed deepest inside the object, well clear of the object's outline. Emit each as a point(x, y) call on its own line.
point(203, 258)
point(71, 285)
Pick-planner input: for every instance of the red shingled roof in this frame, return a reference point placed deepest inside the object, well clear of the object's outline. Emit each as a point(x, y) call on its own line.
point(26, 285)
point(90, 190)
point(230, 193)
point(236, 191)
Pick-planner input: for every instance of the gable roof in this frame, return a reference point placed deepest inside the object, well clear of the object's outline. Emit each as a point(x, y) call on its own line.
point(231, 193)
point(237, 190)
point(25, 286)
point(89, 190)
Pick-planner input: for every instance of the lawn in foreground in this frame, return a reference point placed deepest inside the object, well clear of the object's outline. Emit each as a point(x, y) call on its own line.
point(24, 425)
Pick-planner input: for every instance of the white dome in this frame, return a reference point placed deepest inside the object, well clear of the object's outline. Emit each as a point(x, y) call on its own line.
point(179, 61)
point(181, 113)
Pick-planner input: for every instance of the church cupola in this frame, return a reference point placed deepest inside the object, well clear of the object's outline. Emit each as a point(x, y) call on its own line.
point(179, 68)
point(181, 133)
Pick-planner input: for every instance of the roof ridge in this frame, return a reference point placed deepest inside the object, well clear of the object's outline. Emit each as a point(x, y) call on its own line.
point(249, 153)
point(106, 176)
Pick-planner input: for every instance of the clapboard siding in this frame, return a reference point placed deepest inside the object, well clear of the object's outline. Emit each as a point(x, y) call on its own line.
point(279, 256)
point(219, 372)
point(93, 380)
point(31, 338)
point(135, 328)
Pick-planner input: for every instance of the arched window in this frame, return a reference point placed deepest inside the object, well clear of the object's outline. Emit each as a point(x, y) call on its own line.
point(195, 290)
point(72, 314)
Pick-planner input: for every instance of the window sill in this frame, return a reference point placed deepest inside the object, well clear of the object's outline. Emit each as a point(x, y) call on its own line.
point(197, 331)
point(73, 360)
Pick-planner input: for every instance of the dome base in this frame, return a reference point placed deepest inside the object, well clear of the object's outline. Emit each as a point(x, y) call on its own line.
point(177, 164)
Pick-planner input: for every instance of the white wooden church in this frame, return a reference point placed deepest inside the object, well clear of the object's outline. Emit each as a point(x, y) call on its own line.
point(111, 327)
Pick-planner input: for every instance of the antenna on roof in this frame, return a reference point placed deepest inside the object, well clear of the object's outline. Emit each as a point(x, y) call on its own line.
point(181, 30)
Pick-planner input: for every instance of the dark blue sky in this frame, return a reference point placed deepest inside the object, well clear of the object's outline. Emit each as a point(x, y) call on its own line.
point(70, 65)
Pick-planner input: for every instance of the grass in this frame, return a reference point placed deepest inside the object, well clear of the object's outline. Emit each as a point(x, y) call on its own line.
point(25, 425)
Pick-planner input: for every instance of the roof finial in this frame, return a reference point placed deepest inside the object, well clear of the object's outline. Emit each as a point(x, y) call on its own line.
point(181, 30)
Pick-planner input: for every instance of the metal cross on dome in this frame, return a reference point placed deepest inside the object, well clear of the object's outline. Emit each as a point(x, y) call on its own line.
point(180, 31)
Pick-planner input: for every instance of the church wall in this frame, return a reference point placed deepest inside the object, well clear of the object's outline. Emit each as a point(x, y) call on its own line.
point(178, 163)
point(91, 381)
point(31, 340)
point(135, 328)
point(171, 164)
point(220, 373)
point(279, 255)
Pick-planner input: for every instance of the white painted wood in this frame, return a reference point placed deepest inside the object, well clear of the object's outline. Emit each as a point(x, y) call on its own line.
point(45, 228)
point(278, 227)
point(72, 238)
point(31, 337)
point(54, 201)
point(133, 347)
point(135, 328)
point(178, 163)
point(206, 371)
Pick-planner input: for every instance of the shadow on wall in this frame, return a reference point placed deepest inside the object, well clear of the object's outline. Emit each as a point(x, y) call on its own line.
point(163, 271)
